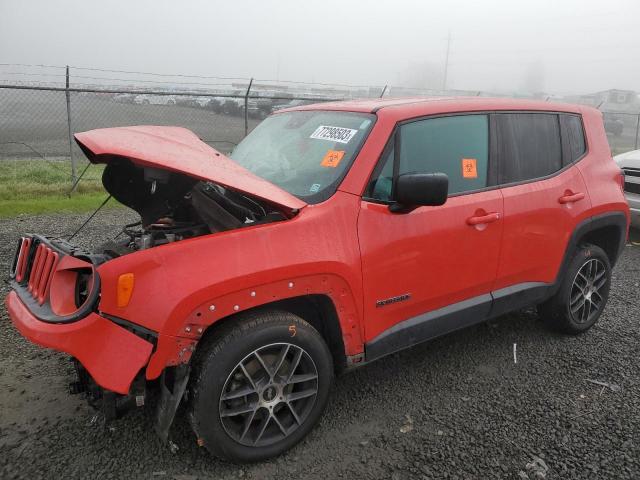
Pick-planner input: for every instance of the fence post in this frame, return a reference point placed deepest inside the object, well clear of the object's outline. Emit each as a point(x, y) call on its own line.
point(246, 108)
point(73, 162)
point(637, 131)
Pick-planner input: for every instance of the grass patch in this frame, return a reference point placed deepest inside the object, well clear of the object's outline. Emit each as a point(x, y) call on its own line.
point(38, 186)
point(33, 179)
point(54, 204)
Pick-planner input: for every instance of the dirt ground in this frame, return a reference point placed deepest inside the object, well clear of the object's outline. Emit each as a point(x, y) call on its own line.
point(458, 407)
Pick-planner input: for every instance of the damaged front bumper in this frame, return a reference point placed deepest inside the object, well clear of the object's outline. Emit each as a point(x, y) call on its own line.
point(109, 362)
point(112, 355)
point(56, 289)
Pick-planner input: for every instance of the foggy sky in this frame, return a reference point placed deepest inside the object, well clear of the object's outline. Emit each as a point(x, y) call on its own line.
point(559, 46)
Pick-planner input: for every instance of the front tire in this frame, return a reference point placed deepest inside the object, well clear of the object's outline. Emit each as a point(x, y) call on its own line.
point(261, 383)
point(583, 294)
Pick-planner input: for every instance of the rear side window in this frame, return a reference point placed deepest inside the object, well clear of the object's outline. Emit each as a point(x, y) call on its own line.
point(573, 141)
point(456, 145)
point(528, 146)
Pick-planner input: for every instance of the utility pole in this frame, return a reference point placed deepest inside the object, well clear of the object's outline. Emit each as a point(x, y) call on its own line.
point(446, 62)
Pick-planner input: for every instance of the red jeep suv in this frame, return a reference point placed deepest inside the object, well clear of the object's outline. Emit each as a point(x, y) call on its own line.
point(333, 235)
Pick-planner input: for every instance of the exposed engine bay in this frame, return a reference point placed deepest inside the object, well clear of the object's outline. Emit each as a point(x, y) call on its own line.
point(174, 207)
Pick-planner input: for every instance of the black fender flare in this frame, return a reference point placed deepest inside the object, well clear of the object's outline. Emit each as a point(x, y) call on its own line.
point(615, 219)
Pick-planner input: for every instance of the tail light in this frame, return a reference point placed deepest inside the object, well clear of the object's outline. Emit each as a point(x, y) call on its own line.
point(621, 180)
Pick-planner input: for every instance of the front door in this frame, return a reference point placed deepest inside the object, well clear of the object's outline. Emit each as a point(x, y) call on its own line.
point(422, 267)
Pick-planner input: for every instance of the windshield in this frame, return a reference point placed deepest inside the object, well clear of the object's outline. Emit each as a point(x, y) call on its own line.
point(306, 153)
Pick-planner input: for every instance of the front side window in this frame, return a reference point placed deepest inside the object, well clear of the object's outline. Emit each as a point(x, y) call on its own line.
point(306, 153)
point(528, 146)
point(457, 146)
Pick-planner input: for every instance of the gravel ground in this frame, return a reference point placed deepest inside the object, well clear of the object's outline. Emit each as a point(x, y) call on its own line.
point(458, 407)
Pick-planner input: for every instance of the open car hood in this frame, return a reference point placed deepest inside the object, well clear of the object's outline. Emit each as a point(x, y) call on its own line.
point(179, 150)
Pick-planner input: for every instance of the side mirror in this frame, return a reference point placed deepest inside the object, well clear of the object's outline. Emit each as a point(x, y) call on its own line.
point(420, 189)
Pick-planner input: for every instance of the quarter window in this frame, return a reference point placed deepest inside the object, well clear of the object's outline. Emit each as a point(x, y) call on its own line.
point(572, 137)
point(381, 184)
point(528, 146)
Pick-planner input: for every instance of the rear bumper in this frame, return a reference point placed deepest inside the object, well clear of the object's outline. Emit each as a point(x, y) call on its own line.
point(633, 199)
point(111, 354)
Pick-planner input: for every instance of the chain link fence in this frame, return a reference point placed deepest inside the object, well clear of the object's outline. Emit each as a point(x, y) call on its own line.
point(38, 119)
point(623, 130)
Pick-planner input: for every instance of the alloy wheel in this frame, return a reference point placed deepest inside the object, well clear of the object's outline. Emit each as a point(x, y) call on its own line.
point(586, 299)
point(268, 395)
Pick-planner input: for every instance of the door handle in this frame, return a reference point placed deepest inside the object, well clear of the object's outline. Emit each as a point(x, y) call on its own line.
point(488, 218)
point(571, 198)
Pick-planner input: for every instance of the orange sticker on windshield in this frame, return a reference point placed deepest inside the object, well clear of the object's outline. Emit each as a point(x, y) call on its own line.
point(469, 168)
point(332, 158)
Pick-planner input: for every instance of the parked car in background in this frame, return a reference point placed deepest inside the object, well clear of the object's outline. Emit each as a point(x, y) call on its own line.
point(124, 98)
point(146, 99)
point(291, 104)
point(260, 107)
point(201, 102)
point(215, 104)
point(333, 235)
point(629, 162)
point(194, 102)
point(232, 106)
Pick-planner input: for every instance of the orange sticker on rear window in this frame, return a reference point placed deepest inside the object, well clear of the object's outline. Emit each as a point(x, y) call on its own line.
point(469, 168)
point(332, 158)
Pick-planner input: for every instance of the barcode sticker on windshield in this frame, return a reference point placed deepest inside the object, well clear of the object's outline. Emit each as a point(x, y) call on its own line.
point(335, 134)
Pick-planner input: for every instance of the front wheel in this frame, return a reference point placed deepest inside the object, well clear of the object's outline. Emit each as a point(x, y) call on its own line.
point(583, 294)
point(260, 384)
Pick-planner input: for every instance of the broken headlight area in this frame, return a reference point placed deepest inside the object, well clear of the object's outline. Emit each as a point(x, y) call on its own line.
point(57, 281)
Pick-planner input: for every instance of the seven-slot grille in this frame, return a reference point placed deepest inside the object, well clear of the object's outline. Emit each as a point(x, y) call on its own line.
point(631, 180)
point(34, 265)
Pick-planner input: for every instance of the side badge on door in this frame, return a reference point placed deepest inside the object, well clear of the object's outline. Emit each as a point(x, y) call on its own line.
point(387, 301)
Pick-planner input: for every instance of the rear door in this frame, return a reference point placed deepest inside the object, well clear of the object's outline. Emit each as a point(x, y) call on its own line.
point(431, 257)
point(545, 196)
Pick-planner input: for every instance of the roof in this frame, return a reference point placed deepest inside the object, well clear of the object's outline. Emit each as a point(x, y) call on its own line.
point(431, 105)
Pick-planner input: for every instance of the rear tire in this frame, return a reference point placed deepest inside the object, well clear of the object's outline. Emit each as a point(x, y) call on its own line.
point(583, 295)
point(260, 384)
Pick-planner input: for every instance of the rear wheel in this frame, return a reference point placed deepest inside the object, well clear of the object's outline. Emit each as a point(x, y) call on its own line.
point(259, 386)
point(583, 294)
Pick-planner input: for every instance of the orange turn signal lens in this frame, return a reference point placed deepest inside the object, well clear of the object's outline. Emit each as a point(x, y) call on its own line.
point(125, 289)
